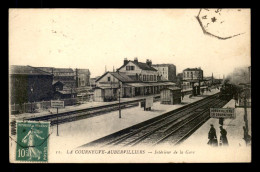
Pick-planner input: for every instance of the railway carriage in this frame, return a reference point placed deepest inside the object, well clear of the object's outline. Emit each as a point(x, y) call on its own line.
point(228, 91)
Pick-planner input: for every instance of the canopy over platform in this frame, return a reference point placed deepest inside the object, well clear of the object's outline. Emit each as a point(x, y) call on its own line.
point(151, 84)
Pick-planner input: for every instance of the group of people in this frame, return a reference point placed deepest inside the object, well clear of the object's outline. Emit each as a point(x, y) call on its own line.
point(212, 136)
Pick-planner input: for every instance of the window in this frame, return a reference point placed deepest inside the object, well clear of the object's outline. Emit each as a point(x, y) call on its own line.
point(144, 77)
point(188, 74)
point(154, 77)
point(108, 78)
point(130, 68)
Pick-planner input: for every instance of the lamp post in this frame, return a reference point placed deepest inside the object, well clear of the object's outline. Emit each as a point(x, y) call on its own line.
point(119, 100)
point(57, 122)
point(246, 135)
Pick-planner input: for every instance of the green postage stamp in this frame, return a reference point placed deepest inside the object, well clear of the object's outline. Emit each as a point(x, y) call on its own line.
point(32, 141)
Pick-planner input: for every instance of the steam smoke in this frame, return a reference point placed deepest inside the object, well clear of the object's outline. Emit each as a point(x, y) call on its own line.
point(238, 76)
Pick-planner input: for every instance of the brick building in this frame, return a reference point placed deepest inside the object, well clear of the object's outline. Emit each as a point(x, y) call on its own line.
point(29, 84)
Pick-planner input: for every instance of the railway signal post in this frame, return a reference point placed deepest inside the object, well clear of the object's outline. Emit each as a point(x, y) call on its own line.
point(57, 104)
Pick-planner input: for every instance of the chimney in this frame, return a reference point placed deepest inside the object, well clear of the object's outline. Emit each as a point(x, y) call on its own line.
point(136, 60)
point(125, 61)
point(149, 62)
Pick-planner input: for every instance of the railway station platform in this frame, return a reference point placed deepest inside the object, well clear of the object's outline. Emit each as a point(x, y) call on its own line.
point(90, 129)
point(237, 148)
point(53, 111)
point(234, 128)
point(74, 107)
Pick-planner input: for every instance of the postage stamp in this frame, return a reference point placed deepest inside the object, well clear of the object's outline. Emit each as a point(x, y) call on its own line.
point(32, 141)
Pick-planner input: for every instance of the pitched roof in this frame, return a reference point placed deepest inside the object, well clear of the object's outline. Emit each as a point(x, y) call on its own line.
point(119, 75)
point(56, 70)
point(141, 65)
point(83, 71)
point(173, 88)
point(122, 76)
point(28, 70)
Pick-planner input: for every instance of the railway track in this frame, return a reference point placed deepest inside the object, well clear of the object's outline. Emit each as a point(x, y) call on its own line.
point(173, 127)
point(86, 113)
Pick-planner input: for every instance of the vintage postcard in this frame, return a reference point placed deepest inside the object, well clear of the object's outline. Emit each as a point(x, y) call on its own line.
point(129, 85)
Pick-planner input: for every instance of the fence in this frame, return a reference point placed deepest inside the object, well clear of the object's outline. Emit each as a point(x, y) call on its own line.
point(38, 106)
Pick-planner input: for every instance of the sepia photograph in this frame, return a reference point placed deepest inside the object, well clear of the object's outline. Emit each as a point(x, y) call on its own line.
point(129, 85)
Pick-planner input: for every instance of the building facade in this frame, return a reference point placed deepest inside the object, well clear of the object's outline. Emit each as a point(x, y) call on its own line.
point(140, 71)
point(82, 77)
point(29, 84)
point(65, 76)
point(132, 79)
point(193, 74)
point(191, 77)
point(167, 71)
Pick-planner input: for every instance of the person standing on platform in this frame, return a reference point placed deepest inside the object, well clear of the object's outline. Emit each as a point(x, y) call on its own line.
point(221, 121)
point(212, 136)
point(223, 137)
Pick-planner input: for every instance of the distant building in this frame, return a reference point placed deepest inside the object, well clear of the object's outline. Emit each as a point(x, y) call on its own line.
point(133, 78)
point(82, 77)
point(208, 81)
point(107, 86)
point(92, 81)
point(179, 79)
point(29, 84)
point(61, 91)
point(140, 71)
point(192, 76)
point(65, 76)
point(167, 71)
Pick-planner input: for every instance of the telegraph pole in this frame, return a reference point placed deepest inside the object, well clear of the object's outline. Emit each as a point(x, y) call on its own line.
point(245, 117)
point(119, 102)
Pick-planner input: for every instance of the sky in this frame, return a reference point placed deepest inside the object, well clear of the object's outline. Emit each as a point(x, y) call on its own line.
point(95, 38)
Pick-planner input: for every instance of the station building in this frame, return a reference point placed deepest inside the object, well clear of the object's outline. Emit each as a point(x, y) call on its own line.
point(132, 79)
